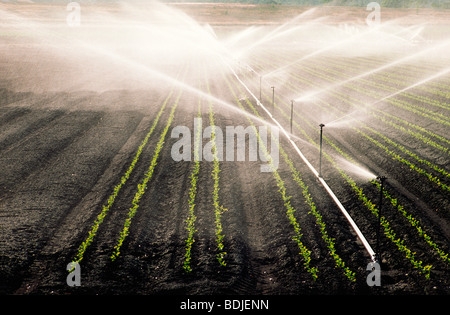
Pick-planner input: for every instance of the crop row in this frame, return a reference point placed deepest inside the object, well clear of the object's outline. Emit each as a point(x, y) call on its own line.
point(400, 159)
point(419, 110)
point(408, 71)
point(432, 178)
point(414, 223)
point(339, 69)
point(143, 185)
point(329, 241)
point(415, 134)
point(414, 130)
point(190, 221)
point(105, 209)
point(375, 113)
point(388, 230)
point(401, 148)
point(419, 128)
point(382, 116)
point(218, 208)
point(304, 251)
point(420, 137)
point(359, 192)
point(376, 85)
point(397, 157)
point(399, 73)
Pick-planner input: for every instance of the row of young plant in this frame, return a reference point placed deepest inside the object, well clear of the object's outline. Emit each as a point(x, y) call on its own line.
point(423, 138)
point(416, 109)
point(397, 102)
point(359, 192)
point(388, 231)
point(141, 188)
point(290, 210)
point(389, 80)
point(329, 241)
point(407, 70)
point(414, 223)
point(402, 149)
point(218, 208)
point(375, 85)
point(431, 177)
point(425, 132)
point(418, 132)
point(380, 115)
point(190, 221)
point(411, 165)
point(394, 155)
point(111, 199)
point(400, 73)
point(422, 134)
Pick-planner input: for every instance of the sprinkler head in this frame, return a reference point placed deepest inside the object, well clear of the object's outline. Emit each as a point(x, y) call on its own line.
point(321, 126)
point(381, 178)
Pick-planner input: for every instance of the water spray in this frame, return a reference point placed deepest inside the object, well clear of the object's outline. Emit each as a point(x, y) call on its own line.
point(441, 73)
point(402, 60)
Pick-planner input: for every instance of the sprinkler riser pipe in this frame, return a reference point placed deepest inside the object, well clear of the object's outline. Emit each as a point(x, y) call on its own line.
point(320, 154)
point(292, 113)
point(273, 99)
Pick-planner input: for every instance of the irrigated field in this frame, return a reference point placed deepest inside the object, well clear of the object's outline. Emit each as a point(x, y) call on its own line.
point(88, 172)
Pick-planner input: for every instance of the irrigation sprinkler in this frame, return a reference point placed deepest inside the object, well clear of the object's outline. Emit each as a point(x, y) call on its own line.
point(292, 112)
point(378, 253)
point(320, 156)
point(273, 99)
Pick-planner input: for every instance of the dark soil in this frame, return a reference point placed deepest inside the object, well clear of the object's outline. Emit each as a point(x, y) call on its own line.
point(63, 152)
point(63, 160)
